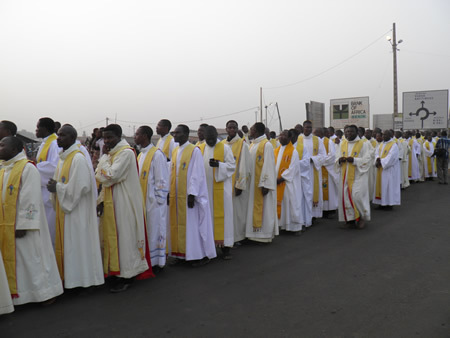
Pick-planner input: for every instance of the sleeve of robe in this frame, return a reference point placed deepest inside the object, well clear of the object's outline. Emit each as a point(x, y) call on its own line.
point(290, 173)
point(79, 184)
point(161, 176)
point(47, 168)
point(430, 152)
point(109, 174)
point(245, 170)
point(268, 178)
point(318, 159)
point(329, 160)
point(226, 169)
point(416, 147)
point(391, 158)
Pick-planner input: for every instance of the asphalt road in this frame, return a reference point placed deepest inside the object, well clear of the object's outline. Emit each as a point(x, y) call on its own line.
point(389, 280)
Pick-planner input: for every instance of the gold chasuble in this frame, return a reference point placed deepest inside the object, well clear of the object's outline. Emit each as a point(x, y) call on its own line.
point(348, 170)
point(300, 150)
point(60, 217)
point(177, 200)
point(218, 217)
point(166, 147)
point(8, 212)
point(258, 204)
point(202, 147)
point(326, 142)
point(386, 151)
point(44, 152)
point(284, 165)
point(410, 143)
point(429, 166)
point(316, 172)
point(111, 263)
point(236, 148)
point(145, 172)
point(373, 142)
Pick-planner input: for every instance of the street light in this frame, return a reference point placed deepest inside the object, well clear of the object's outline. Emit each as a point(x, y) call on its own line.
point(266, 112)
point(394, 44)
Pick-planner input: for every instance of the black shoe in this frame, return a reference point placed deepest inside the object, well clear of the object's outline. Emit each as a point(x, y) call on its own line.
point(122, 285)
point(200, 262)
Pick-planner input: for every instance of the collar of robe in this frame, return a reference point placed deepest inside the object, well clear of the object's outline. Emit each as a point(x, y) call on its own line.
point(10, 162)
point(63, 155)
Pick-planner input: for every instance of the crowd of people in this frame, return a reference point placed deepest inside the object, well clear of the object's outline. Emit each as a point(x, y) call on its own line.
point(79, 214)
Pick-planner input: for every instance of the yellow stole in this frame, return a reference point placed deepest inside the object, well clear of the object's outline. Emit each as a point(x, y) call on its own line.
point(386, 151)
point(348, 170)
point(316, 172)
point(166, 147)
point(236, 148)
point(410, 143)
point(273, 142)
point(300, 150)
point(202, 147)
point(284, 165)
point(178, 203)
point(44, 152)
point(8, 212)
point(373, 142)
point(60, 217)
point(430, 168)
point(111, 263)
point(258, 202)
point(326, 141)
point(434, 145)
point(145, 171)
point(219, 232)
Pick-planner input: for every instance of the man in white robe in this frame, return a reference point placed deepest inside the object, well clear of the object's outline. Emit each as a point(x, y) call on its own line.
point(317, 155)
point(262, 220)
point(220, 170)
point(421, 158)
point(329, 186)
point(120, 206)
point(413, 164)
point(373, 144)
point(32, 262)
point(289, 185)
point(46, 160)
point(166, 142)
point(352, 163)
point(387, 194)
point(403, 143)
point(154, 178)
point(190, 225)
point(428, 151)
point(6, 303)
point(77, 246)
point(401, 154)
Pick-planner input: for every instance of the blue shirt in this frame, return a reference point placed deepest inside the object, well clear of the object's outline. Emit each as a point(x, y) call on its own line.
point(443, 142)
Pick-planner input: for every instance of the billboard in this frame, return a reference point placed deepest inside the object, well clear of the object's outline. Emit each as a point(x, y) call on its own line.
point(353, 110)
point(315, 112)
point(425, 110)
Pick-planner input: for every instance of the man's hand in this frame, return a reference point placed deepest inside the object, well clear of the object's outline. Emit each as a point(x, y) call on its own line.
point(237, 191)
point(213, 163)
point(191, 201)
point(350, 159)
point(20, 233)
point(265, 191)
point(280, 180)
point(105, 149)
point(100, 208)
point(342, 159)
point(51, 185)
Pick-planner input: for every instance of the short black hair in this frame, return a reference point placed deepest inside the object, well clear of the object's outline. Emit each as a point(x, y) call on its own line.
point(47, 123)
point(273, 134)
point(73, 131)
point(232, 121)
point(352, 126)
point(331, 128)
point(444, 133)
point(211, 129)
point(307, 121)
point(204, 125)
point(147, 130)
point(260, 128)
point(166, 123)
point(184, 129)
point(115, 129)
point(10, 126)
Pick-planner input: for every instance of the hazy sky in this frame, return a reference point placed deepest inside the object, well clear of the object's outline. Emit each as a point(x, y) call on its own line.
point(81, 61)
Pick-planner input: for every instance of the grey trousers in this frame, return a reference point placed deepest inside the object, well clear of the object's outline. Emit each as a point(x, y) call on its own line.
point(442, 169)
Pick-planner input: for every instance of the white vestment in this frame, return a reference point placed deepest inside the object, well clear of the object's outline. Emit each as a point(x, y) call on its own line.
point(6, 303)
point(428, 155)
point(291, 216)
point(390, 176)
point(162, 142)
point(156, 204)
point(268, 180)
point(405, 160)
point(317, 165)
point(36, 270)
point(305, 200)
point(91, 167)
point(223, 174)
point(372, 173)
point(415, 154)
point(83, 265)
point(47, 170)
point(333, 178)
point(242, 181)
point(122, 176)
point(359, 196)
point(199, 228)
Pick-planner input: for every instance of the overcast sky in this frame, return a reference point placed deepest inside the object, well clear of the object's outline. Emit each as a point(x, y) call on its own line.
point(139, 61)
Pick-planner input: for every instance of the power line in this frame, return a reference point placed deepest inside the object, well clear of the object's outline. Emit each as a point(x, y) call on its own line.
point(331, 68)
point(89, 125)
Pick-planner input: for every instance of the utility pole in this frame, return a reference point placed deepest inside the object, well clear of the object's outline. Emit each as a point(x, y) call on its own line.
point(394, 51)
point(279, 117)
point(107, 121)
point(260, 103)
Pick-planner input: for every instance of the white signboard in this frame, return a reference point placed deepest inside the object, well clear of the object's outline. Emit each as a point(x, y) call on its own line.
point(425, 110)
point(353, 110)
point(315, 112)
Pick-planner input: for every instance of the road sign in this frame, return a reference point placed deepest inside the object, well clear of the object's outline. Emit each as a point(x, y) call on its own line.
point(425, 110)
point(353, 110)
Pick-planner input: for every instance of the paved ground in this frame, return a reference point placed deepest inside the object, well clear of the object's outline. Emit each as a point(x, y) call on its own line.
point(390, 280)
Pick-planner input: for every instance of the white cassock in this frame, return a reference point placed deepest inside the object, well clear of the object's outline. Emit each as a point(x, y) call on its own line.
point(268, 180)
point(317, 160)
point(242, 181)
point(305, 201)
point(390, 177)
point(89, 162)
point(333, 177)
point(156, 204)
point(401, 155)
point(291, 217)
point(421, 160)
point(405, 160)
point(223, 174)
point(162, 141)
point(360, 192)
point(36, 270)
point(428, 153)
point(415, 154)
point(372, 172)
point(6, 303)
point(47, 170)
point(199, 229)
point(83, 265)
point(122, 176)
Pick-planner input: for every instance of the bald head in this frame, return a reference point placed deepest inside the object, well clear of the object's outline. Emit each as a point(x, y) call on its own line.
point(67, 136)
